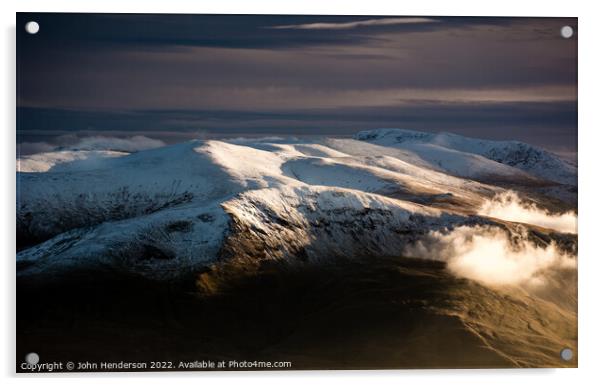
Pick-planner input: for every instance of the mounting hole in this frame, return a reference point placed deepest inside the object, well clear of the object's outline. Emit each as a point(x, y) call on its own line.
point(566, 31)
point(566, 354)
point(32, 27)
point(32, 358)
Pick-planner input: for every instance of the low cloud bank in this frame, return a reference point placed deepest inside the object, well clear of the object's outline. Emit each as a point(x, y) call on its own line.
point(131, 144)
point(71, 142)
point(487, 255)
point(27, 148)
point(508, 206)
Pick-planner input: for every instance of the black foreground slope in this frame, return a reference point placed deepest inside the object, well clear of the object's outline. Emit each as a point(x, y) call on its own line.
point(373, 314)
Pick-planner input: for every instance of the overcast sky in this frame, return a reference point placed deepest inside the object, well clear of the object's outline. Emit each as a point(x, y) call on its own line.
point(173, 77)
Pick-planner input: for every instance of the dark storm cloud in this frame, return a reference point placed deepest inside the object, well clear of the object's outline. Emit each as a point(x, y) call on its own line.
point(229, 31)
point(447, 54)
point(245, 75)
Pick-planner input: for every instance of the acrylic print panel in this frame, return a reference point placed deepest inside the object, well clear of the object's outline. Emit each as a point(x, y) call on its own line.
point(268, 192)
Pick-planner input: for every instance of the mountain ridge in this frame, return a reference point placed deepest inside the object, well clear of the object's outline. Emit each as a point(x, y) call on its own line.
point(531, 159)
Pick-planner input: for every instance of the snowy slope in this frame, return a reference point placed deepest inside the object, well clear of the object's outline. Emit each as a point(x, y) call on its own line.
point(119, 188)
point(440, 150)
point(438, 158)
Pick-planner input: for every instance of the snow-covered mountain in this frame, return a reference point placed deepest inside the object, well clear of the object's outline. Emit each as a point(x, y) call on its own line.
point(307, 244)
point(176, 209)
point(476, 158)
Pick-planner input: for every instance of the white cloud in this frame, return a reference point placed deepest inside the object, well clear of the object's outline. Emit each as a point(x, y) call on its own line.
point(485, 254)
point(356, 24)
point(508, 206)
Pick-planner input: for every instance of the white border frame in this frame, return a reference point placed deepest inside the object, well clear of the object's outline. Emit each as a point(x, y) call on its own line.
point(590, 140)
